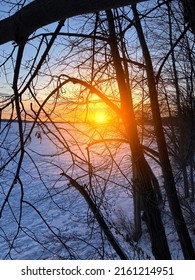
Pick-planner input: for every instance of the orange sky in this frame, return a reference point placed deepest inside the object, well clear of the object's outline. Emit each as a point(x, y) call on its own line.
point(95, 112)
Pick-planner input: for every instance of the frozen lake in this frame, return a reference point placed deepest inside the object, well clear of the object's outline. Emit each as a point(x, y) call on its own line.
point(45, 217)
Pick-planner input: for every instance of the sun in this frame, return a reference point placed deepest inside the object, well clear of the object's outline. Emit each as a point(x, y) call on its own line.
point(100, 118)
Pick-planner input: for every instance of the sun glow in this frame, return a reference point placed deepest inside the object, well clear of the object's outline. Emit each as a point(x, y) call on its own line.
point(100, 118)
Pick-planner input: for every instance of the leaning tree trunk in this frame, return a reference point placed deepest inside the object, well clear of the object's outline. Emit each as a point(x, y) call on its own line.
point(43, 12)
point(180, 225)
point(98, 216)
point(152, 213)
point(39, 13)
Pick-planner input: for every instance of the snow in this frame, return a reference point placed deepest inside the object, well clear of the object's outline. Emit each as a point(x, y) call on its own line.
point(56, 222)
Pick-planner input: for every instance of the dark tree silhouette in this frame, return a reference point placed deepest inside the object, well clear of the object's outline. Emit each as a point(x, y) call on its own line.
point(39, 13)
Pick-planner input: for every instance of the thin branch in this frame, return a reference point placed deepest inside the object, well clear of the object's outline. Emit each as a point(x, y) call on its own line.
point(170, 51)
point(94, 90)
point(100, 219)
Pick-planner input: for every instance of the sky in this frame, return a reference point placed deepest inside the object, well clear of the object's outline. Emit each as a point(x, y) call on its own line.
point(53, 65)
point(44, 87)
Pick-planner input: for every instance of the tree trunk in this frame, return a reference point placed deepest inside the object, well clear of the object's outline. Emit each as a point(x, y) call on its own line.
point(183, 150)
point(192, 186)
point(43, 12)
point(180, 225)
point(153, 218)
point(137, 206)
point(189, 12)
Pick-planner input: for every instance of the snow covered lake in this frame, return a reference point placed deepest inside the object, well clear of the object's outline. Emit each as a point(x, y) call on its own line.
point(45, 217)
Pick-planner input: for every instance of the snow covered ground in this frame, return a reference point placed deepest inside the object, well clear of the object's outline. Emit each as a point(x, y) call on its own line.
point(47, 218)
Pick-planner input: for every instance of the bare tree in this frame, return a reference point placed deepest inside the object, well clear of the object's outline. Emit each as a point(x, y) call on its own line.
point(73, 70)
point(163, 153)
